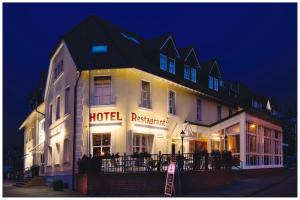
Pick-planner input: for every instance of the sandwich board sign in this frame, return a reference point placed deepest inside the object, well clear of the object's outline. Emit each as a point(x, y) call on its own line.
point(169, 185)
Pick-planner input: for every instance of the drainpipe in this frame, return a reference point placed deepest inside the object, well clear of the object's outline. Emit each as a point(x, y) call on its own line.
point(74, 132)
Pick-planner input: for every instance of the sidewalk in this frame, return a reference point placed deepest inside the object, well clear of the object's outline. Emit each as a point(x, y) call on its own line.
point(38, 191)
point(272, 186)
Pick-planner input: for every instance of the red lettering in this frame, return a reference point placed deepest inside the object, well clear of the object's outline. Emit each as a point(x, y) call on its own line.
point(92, 116)
point(133, 117)
point(99, 117)
point(113, 116)
point(118, 117)
point(106, 114)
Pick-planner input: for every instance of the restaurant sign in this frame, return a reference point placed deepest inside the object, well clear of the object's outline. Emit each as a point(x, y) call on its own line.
point(148, 120)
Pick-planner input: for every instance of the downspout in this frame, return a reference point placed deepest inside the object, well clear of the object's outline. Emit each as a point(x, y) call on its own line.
point(89, 135)
point(74, 132)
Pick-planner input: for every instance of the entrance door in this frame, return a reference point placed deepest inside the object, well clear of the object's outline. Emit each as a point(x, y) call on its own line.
point(200, 145)
point(173, 148)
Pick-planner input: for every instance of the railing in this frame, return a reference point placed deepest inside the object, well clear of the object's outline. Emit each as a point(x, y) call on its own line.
point(158, 163)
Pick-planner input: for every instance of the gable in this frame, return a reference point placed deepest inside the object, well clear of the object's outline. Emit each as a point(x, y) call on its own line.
point(215, 70)
point(170, 48)
point(191, 59)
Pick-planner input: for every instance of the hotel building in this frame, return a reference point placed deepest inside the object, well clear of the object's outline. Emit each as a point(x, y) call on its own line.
point(110, 90)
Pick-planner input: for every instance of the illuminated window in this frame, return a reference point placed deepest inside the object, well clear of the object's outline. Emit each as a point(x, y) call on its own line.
point(67, 100)
point(163, 62)
point(193, 74)
point(145, 96)
point(187, 72)
point(233, 143)
point(101, 144)
point(97, 49)
point(199, 109)
point(172, 109)
point(210, 82)
point(216, 84)
point(102, 90)
point(141, 143)
point(251, 127)
point(57, 108)
point(171, 65)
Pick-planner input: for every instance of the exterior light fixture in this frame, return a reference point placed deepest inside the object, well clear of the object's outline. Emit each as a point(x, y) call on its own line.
point(182, 134)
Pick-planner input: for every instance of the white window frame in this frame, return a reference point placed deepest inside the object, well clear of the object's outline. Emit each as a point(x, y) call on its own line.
point(57, 108)
point(112, 99)
point(169, 106)
point(67, 100)
point(57, 154)
point(198, 116)
point(49, 155)
point(147, 145)
point(141, 94)
point(101, 146)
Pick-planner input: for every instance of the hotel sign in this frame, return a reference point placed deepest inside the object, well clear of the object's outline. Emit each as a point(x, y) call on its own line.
point(105, 116)
point(148, 120)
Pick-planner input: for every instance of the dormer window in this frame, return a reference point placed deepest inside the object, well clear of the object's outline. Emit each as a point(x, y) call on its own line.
point(213, 83)
point(163, 62)
point(216, 84)
point(167, 64)
point(210, 82)
point(193, 74)
point(187, 72)
point(172, 65)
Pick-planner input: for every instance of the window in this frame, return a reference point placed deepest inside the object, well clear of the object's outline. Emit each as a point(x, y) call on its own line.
point(172, 103)
point(57, 154)
point(233, 143)
point(102, 90)
point(59, 69)
point(49, 157)
point(163, 62)
point(50, 114)
point(210, 82)
point(251, 127)
point(199, 109)
point(219, 116)
point(66, 155)
point(141, 143)
point(57, 108)
point(216, 85)
point(145, 96)
point(187, 72)
point(171, 65)
point(67, 99)
point(99, 49)
point(193, 74)
point(101, 144)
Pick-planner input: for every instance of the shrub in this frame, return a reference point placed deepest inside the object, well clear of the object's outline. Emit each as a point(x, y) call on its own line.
point(58, 185)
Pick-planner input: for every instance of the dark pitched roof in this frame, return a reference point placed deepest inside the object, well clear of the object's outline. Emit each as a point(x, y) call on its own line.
point(129, 50)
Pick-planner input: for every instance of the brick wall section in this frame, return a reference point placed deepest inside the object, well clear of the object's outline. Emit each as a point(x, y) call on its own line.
point(149, 184)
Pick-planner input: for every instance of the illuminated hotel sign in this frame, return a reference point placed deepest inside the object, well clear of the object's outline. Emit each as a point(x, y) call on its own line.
point(105, 116)
point(148, 120)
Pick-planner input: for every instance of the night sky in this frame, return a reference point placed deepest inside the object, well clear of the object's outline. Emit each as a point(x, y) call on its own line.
point(255, 44)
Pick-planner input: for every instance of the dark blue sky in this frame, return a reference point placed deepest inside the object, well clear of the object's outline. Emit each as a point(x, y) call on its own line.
point(255, 43)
